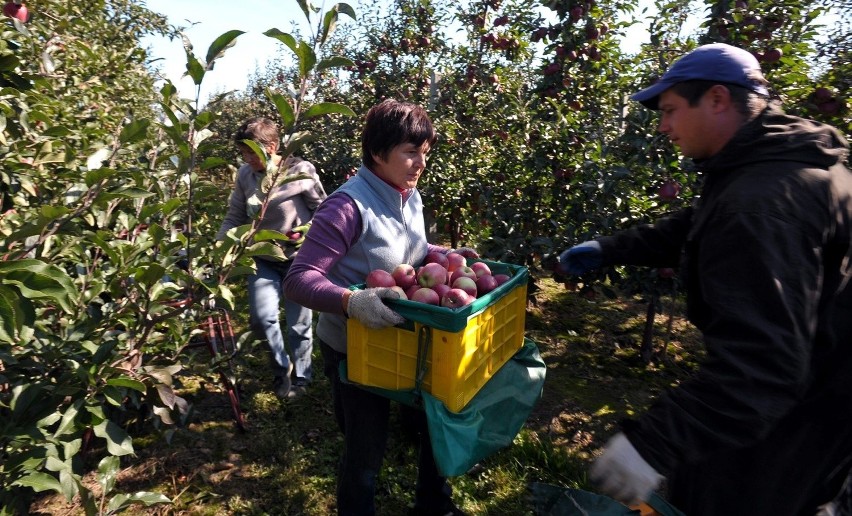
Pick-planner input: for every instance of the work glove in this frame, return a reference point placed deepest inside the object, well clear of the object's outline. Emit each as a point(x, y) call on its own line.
point(623, 474)
point(467, 252)
point(367, 306)
point(581, 258)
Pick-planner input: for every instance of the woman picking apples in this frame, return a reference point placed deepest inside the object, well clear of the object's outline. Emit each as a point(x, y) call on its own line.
point(374, 221)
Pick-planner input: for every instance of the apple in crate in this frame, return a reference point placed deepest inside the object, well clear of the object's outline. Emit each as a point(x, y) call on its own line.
point(411, 290)
point(380, 278)
point(404, 275)
point(455, 260)
point(502, 278)
point(480, 268)
point(431, 274)
point(441, 289)
point(485, 284)
point(426, 295)
point(456, 298)
point(399, 291)
point(462, 272)
point(465, 283)
point(436, 257)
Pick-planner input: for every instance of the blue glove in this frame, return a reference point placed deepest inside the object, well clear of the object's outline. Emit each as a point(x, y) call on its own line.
point(581, 258)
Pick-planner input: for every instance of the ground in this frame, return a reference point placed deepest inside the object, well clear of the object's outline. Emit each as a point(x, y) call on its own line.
point(285, 463)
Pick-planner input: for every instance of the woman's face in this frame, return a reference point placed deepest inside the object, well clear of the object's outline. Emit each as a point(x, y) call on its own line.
point(251, 159)
point(403, 166)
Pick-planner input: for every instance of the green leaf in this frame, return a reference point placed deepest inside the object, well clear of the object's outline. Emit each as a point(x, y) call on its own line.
point(130, 383)
point(150, 274)
point(325, 108)
point(13, 314)
point(285, 38)
point(334, 62)
point(118, 442)
point(97, 175)
point(67, 425)
point(122, 501)
point(108, 469)
point(218, 47)
point(259, 151)
point(39, 482)
point(135, 131)
point(212, 162)
point(38, 280)
point(285, 110)
point(194, 69)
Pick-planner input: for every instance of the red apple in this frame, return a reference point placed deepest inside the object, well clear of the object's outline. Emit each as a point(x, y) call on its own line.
point(432, 274)
point(404, 275)
point(502, 278)
point(669, 191)
point(456, 298)
point(462, 272)
point(411, 290)
point(294, 235)
point(467, 284)
point(480, 268)
point(426, 295)
point(485, 284)
point(19, 11)
point(455, 260)
point(441, 289)
point(380, 278)
point(436, 257)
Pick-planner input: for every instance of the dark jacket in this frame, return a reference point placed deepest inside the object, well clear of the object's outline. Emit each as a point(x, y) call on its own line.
point(765, 425)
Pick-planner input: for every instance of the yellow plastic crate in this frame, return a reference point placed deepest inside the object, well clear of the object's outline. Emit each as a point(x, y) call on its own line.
point(458, 363)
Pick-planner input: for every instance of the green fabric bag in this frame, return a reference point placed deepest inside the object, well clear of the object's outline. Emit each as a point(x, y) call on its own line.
point(550, 500)
point(489, 422)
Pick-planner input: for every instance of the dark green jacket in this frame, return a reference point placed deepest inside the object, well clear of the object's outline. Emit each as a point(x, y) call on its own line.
point(765, 426)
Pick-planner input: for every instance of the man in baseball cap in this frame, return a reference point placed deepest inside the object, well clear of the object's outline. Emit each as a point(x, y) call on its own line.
point(765, 424)
point(716, 62)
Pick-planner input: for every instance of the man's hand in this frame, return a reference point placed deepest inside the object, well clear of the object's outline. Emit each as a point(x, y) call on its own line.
point(367, 306)
point(580, 259)
point(623, 474)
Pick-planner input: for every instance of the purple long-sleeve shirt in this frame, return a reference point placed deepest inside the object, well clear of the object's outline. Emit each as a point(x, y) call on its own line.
point(336, 226)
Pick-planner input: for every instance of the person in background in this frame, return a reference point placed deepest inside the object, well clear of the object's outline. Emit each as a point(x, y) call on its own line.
point(373, 221)
point(290, 208)
point(765, 425)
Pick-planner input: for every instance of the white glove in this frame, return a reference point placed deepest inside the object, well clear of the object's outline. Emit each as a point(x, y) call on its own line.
point(623, 474)
point(366, 306)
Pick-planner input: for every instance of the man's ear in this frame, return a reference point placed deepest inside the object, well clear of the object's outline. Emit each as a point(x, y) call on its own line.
point(720, 97)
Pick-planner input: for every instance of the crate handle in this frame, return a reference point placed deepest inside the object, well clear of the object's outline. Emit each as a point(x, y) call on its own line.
point(424, 340)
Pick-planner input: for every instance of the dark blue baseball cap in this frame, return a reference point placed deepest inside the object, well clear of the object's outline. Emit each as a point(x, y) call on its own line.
point(714, 62)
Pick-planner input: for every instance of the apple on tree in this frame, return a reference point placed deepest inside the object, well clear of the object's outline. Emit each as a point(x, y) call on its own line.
point(16, 10)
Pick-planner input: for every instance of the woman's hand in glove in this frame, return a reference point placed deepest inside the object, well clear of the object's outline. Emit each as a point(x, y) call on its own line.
point(367, 306)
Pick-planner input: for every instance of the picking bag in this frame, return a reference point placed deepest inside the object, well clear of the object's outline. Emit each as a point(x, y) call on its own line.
point(489, 422)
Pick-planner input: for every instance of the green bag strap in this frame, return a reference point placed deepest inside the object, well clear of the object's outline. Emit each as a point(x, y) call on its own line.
point(424, 340)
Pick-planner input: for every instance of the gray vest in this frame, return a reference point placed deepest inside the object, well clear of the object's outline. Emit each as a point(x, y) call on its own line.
point(392, 232)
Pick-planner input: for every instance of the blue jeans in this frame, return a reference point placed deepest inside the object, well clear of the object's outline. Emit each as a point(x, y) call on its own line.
point(265, 294)
point(363, 418)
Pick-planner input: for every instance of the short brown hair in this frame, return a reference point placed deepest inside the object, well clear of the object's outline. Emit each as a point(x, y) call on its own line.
point(746, 101)
point(259, 129)
point(391, 123)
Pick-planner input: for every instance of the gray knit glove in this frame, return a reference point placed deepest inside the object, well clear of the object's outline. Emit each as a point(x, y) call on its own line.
point(367, 306)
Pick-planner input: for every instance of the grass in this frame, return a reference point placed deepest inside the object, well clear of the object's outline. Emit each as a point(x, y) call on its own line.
point(286, 462)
